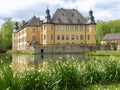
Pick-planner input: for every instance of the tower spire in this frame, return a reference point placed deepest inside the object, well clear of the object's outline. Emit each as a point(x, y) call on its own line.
point(16, 27)
point(91, 17)
point(48, 16)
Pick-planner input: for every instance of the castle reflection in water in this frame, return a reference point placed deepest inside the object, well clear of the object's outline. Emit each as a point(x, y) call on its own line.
point(22, 61)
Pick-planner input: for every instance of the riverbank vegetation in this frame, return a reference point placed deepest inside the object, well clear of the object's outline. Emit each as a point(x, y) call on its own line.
point(104, 53)
point(104, 28)
point(62, 75)
point(6, 35)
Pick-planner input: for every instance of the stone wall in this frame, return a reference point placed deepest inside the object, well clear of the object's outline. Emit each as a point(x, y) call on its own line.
point(60, 49)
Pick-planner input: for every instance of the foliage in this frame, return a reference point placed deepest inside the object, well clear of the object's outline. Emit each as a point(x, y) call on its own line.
point(8, 79)
point(102, 29)
point(107, 27)
point(6, 35)
point(103, 53)
point(5, 59)
point(62, 75)
point(114, 86)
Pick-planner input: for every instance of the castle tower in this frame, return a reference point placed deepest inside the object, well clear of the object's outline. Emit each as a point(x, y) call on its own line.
point(91, 29)
point(48, 16)
point(48, 30)
point(16, 27)
point(91, 17)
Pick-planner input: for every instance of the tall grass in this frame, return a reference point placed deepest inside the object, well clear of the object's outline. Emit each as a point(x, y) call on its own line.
point(9, 80)
point(62, 75)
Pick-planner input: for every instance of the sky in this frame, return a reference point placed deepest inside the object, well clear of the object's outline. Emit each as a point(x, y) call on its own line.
point(19, 10)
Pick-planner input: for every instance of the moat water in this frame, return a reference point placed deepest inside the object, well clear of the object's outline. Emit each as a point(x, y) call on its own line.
point(26, 60)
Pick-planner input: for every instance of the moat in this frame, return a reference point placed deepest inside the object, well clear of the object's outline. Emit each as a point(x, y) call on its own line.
point(24, 60)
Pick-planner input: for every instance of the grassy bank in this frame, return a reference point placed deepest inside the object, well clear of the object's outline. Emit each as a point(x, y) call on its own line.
point(114, 86)
point(104, 53)
point(62, 75)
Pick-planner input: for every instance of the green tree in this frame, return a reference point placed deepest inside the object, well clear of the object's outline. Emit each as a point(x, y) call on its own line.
point(107, 27)
point(102, 29)
point(114, 26)
point(6, 34)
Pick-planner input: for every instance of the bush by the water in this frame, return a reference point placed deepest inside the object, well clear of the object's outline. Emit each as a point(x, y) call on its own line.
point(61, 75)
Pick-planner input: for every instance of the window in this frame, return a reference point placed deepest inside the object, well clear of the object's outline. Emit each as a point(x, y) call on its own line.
point(44, 27)
point(76, 37)
point(88, 37)
point(33, 30)
point(58, 37)
point(56, 27)
point(87, 27)
point(44, 37)
point(67, 28)
point(67, 37)
point(76, 28)
point(34, 39)
point(81, 37)
point(71, 27)
point(81, 28)
point(62, 37)
point(23, 39)
point(72, 37)
point(67, 43)
point(62, 27)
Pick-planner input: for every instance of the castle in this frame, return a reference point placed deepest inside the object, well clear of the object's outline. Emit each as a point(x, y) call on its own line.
point(66, 31)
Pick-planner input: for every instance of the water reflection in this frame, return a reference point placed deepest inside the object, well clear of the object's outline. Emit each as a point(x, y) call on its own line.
point(22, 61)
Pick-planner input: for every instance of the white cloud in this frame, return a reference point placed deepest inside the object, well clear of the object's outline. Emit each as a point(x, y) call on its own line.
point(24, 9)
point(103, 15)
point(9, 6)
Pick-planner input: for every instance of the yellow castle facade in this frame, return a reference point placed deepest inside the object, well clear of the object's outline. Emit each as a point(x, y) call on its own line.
point(66, 27)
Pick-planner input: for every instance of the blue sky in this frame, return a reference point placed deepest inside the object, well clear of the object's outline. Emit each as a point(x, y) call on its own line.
point(20, 10)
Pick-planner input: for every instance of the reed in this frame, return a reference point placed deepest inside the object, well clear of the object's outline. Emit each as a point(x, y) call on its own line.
point(62, 75)
point(9, 80)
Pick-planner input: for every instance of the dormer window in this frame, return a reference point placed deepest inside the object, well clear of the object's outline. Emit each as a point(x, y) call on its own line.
point(78, 20)
point(72, 14)
point(59, 20)
point(69, 20)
